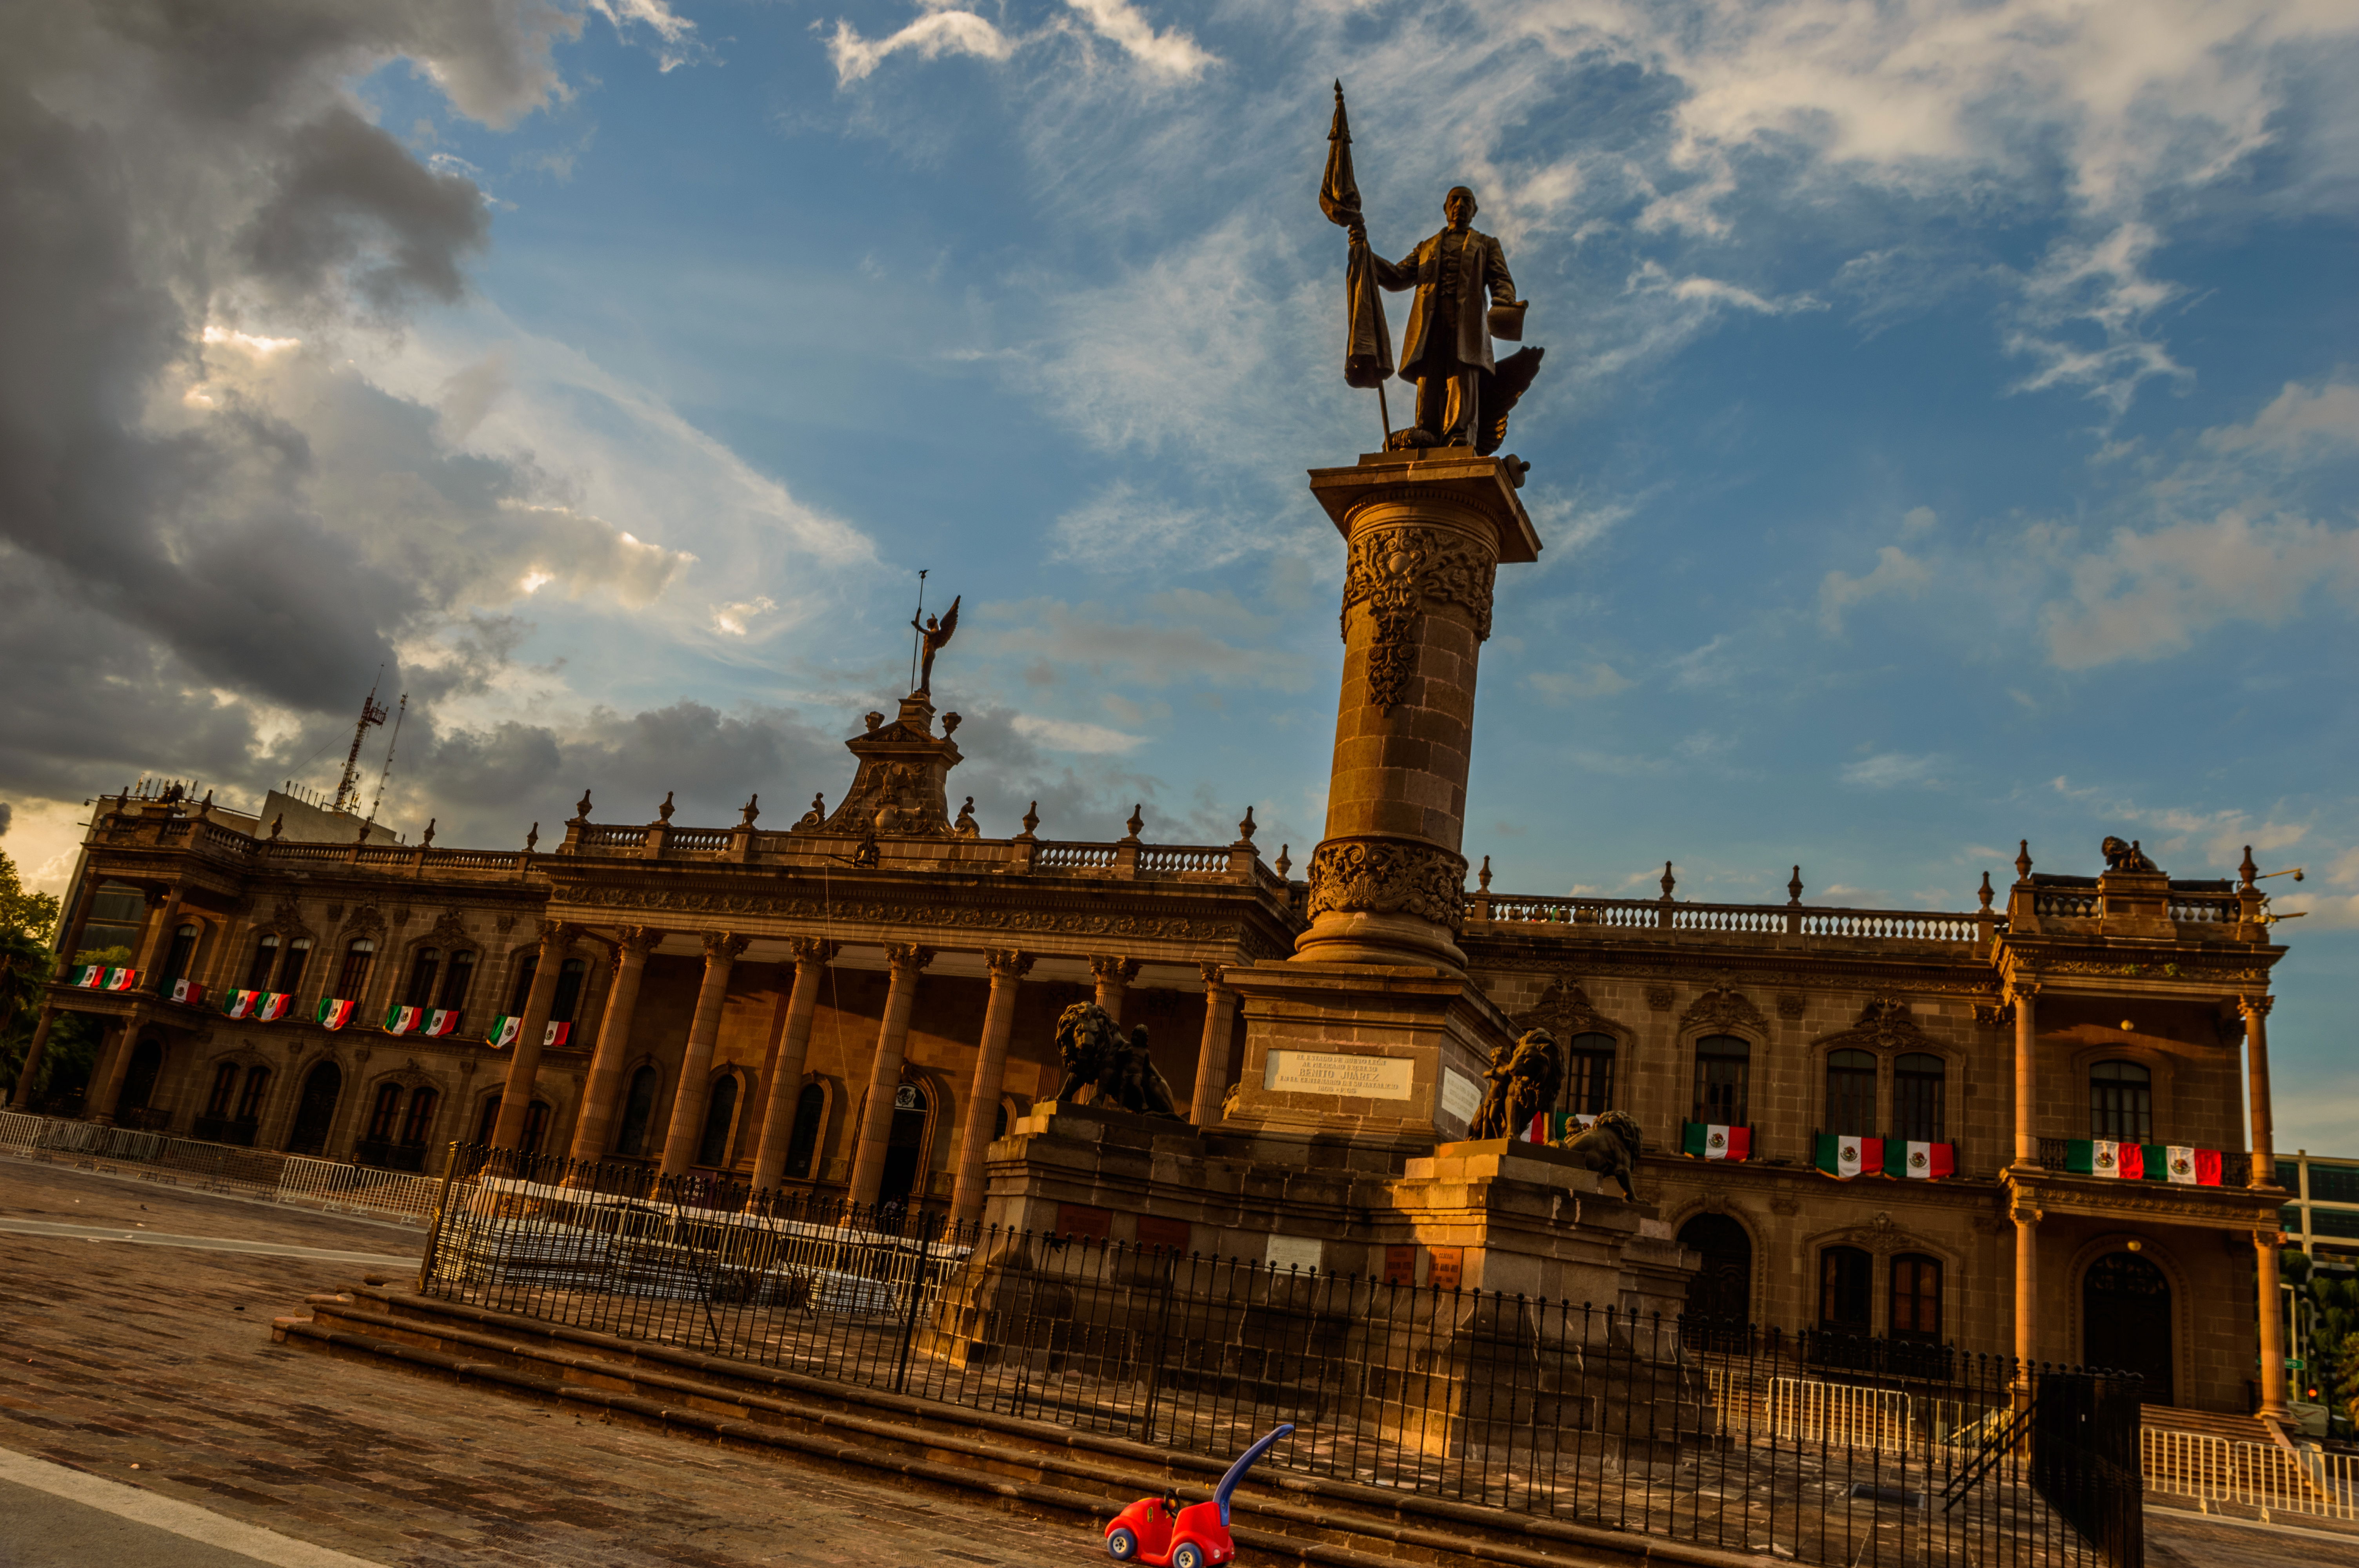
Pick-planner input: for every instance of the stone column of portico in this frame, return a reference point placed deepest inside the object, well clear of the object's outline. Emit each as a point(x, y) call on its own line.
point(595, 1125)
point(107, 1080)
point(1426, 534)
point(884, 1079)
point(1114, 977)
point(1007, 971)
point(69, 942)
point(2027, 1071)
point(524, 1062)
point(812, 956)
point(1216, 1052)
point(721, 950)
point(2255, 1010)
point(2026, 1293)
point(2026, 992)
point(157, 938)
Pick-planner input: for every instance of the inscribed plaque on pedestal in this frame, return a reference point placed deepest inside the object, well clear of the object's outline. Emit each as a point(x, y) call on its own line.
point(1333, 1072)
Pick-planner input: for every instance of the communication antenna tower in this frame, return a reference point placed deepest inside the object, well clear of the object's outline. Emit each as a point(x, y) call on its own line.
point(391, 742)
point(371, 712)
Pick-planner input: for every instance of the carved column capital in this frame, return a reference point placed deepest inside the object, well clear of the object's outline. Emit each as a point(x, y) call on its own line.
point(1110, 971)
point(907, 958)
point(1389, 877)
point(639, 939)
point(724, 945)
point(2026, 1214)
point(2022, 986)
point(1212, 972)
point(2253, 1007)
point(1007, 964)
point(557, 938)
point(813, 950)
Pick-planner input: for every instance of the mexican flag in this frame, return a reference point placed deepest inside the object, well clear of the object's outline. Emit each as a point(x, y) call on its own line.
point(334, 1012)
point(441, 1021)
point(504, 1027)
point(187, 991)
point(99, 977)
point(272, 1007)
point(1549, 1126)
point(1847, 1155)
point(400, 1020)
point(1699, 1140)
point(2103, 1157)
point(240, 1004)
point(1928, 1161)
point(2188, 1167)
point(555, 1035)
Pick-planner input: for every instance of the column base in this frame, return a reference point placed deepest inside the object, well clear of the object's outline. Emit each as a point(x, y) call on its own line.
point(1339, 936)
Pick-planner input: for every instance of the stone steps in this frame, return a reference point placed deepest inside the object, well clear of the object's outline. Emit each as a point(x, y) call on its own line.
point(1024, 1466)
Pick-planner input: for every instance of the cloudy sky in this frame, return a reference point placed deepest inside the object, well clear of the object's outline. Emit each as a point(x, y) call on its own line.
point(1947, 435)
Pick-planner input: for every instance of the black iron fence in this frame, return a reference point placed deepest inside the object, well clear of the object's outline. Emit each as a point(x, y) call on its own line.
point(1824, 1448)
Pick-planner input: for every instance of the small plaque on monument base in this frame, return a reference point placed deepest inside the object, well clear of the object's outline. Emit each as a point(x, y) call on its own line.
point(1335, 1073)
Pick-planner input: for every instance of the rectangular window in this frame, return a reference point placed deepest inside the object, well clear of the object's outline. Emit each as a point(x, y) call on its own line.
point(422, 970)
point(2334, 1183)
point(1723, 1070)
point(2334, 1222)
point(1851, 1094)
point(454, 984)
point(1915, 1297)
point(1845, 1280)
point(1918, 1085)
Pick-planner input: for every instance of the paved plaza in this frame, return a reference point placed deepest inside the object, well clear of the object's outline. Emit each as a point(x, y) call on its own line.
point(135, 1317)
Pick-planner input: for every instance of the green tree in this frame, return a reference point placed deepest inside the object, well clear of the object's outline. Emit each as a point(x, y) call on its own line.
point(25, 909)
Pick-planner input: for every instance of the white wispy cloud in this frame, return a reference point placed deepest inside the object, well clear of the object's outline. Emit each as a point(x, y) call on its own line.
point(1073, 735)
point(931, 36)
point(1896, 571)
point(1885, 769)
point(1169, 53)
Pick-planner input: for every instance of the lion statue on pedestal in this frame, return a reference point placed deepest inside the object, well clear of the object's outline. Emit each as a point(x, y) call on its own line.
point(1610, 1146)
point(1116, 1071)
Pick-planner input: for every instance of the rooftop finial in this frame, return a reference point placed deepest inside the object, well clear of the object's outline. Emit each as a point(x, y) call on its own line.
point(1482, 877)
point(2023, 860)
point(1245, 828)
point(752, 808)
point(1284, 864)
point(1031, 819)
point(532, 839)
point(1794, 887)
point(426, 839)
point(1136, 823)
point(1669, 882)
point(1985, 893)
point(2248, 871)
point(663, 812)
point(582, 807)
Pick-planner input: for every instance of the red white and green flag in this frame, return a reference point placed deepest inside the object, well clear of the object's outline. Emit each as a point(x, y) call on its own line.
point(1847, 1155)
point(241, 1004)
point(99, 977)
point(1703, 1140)
point(441, 1021)
point(2105, 1157)
point(187, 992)
point(334, 1012)
point(1550, 1126)
point(273, 1006)
point(1928, 1162)
point(2189, 1167)
point(555, 1035)
point(504, 1031)
point(400, 1020)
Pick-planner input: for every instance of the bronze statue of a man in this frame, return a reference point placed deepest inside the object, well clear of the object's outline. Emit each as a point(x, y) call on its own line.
point(1447, 350)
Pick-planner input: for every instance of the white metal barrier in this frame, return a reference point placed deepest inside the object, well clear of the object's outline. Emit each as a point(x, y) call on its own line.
point(361, 1189)
point(1801, 1410)
point(2252, 1475)
point(225, 1168)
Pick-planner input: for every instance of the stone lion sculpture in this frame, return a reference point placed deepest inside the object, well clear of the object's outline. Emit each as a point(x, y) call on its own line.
point(1116, 1071)
point(1524, 1080)
point(2121, 857)
point(1610, 1146)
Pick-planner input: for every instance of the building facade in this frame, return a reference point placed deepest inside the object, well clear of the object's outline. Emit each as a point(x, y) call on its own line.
point(863, 1001)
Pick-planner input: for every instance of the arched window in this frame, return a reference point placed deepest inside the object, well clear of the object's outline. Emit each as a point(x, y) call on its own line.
point(2121, 1101)
point(265, 956)
point(569, 976)
point(720, 1114)
point(224, 1085)
point(421, 1120)
point(810, 1112)
point(1847, 1277)
point(257, 1085)
point(1915, 1297)
point(1589, 1073)
point(384, 1112)
point(353, 979)
point(1723, 1067)
point(1851, 1094)
point(638, 1110)
point(177, 955)
point(139, 1077)
point(290, 970)
point(454, 984)
point(420, 992)
point(535, 1124)
point(525, 971)
point(1919, 1083)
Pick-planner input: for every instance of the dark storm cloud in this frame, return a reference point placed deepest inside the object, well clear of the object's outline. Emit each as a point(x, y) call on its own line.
point(353, 204)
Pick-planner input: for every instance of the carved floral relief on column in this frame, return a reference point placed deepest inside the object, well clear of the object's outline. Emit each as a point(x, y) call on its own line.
point(1389, 877)
point(1394, 571)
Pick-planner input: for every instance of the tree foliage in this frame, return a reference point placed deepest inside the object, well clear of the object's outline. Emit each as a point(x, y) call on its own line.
point(22, 909)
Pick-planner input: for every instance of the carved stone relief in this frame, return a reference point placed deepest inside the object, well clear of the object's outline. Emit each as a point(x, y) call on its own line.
point(1723, 1009)
point(1389, 877)
point(1394, 571)
point(1564, 1010)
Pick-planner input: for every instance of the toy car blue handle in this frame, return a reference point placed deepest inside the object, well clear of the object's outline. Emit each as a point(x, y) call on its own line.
point(1244, 1463)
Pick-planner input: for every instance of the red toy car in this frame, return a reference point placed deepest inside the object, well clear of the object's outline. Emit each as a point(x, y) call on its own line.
point(1159, 1531)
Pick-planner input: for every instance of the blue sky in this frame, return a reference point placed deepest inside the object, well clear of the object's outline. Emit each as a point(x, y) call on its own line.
point(1947, 435)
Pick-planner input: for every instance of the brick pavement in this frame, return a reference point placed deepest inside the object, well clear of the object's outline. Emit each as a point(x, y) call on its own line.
point(154, 1365)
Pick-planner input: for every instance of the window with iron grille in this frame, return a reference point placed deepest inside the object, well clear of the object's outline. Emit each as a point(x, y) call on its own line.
point(1851, 1093)
point(423, 968)
point(1915, 1297)
point(1723, 1073)
point(1589, 1073)
point(1920, 1084)
point(2121, 1101)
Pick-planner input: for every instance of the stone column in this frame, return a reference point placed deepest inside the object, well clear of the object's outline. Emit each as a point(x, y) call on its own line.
point(2027, 1047)
point(22, 1099)
point(721, 950)
point(812, 956)
point(1213, 1056)
point(2255, 1010)
point(593, 1127)
point(524, 1064)
point(2027, 1293)
point(1426, 532)
point(884, 1079)
point(1114, 977)
point(107, 1077)
point(156, 939)
point(1007, 971)
point(2272, 1323)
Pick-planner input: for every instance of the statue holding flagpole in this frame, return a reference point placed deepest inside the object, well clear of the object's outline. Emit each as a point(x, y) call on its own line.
point(1464, 393)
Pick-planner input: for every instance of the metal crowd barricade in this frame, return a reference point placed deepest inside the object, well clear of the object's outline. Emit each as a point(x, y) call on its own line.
point(222, 1167)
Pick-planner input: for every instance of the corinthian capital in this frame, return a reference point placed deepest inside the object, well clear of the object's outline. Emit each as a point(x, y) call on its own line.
point(1007, 964)
point(907, 958)
point(724, 945)
point(2254, 1007)
point(813, 950)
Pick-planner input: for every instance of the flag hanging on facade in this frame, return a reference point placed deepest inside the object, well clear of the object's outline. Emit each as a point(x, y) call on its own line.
point(1928, 1161)
point(273, 1006)
point(1367, 337)
point(1700, 1140)
point(2187, 1167)
point(441, 1022)
point(241, 1004)
point(555, 1035)
point(1847, 1155)
point(504, 1031)
point(99, 977)
point(334, 1012)
point(2105, 1157)
point(400, 1020)
point(187, 992)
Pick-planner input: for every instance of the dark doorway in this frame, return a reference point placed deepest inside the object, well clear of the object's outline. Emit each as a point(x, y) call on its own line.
point(1721, 1292)
point(1846, 1286)
point(315, 1111)
point(139, 1077)
point(2125, 1321)
point(905, 1152)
